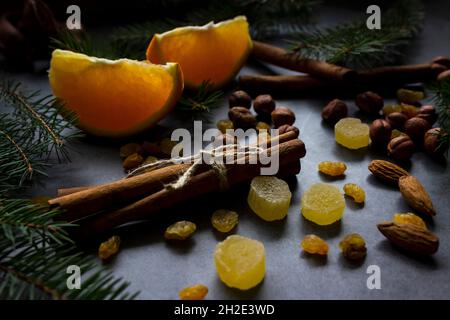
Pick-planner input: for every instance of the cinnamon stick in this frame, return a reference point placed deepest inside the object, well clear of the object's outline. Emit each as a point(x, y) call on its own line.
point(443, 60)
point(384, 79)
point(400, 74)
point(443, 75)
point(207, 182)
point(280, 57)
point(90, 200)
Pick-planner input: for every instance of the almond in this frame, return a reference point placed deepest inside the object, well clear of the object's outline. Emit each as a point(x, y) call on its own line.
point(410, 237)
point(387, 171)
point(415, 195)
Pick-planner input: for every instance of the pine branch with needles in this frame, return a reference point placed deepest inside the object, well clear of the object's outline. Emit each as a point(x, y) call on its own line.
point(441, 92)
point(35, 248)
point(200, 101)
point(354, 45)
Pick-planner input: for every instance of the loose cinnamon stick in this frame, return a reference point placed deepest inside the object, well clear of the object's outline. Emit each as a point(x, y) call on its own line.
point(444, 75)
point(443, 60)
point(382, 79)
point(66, 191)
point(118, 193)
point(289, 154)
point(280, 57)
point(400, 74)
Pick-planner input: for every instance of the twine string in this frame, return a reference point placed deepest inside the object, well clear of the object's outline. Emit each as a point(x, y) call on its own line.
point(197, 160)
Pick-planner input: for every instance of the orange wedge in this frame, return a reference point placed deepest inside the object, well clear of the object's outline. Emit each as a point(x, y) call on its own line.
point(213, 52)
point(114, 98)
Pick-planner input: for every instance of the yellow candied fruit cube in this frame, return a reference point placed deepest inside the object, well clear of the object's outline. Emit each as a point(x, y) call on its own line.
point(240, 262)
point(351, 133)
point(269, 197)
point(323, 204)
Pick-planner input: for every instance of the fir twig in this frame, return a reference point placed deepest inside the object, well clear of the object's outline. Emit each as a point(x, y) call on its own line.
point(200, 101)
point(441, 91)
point(354, 45)
point(29, 134)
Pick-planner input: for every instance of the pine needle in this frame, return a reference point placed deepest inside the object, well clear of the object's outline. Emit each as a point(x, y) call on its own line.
point(354, 45)
point(200, 101)
point(441, 91)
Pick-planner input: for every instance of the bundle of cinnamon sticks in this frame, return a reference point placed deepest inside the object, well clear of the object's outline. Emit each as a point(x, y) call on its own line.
point(324, 78)
point(99, 209)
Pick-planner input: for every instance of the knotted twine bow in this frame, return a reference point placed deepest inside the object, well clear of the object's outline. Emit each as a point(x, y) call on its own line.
point(197, 160)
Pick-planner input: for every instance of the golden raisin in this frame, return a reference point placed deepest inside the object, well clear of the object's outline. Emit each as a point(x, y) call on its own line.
point(180, 230)
point(195, 292)
point(409, 111)
point(224, 220)
point(262, 126)
point(396, 133)
point(332, 168)
point(353, 247)
point(409, 218)
point(224, 125)
point(132, 161)
point(391, 108)
point(355, 191)
point(314, 245)
point(109, 248)
point(409, 96)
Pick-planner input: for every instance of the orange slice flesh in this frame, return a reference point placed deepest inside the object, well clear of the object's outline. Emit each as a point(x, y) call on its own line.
point(114, 98)
point(213, 52)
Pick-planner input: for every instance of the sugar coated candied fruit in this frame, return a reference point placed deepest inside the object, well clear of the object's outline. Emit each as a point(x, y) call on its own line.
point(240, 262)
point(269, 197)
point(323, 204)
point(352, 133)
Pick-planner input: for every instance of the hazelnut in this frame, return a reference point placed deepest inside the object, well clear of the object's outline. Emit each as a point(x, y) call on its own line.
point(264, 104)
point(416, 128)
point(428, 112)
point(240, 99)
point(380, 133)
point(432, 142)
point(396, 120)
point(334, 111)
point(401, 148)
point(286, 128)
point(241, 117)
point(282, 115)
point(369, 102)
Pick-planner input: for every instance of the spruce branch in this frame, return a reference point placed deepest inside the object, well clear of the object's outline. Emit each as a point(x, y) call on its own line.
point(29, 134)
point(200, 101)
point(441, 97)
point(354, 45)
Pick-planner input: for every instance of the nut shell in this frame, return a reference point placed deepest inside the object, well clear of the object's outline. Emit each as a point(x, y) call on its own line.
point(242, 118)
point(387, 171)
point(369, 102)
point(240, 99)
point(401, 148)
point(428, 113)
point(416, 128)
point(334, 111)
point(397, 120)
point(286, 128)
point(281, 116)
point(380, 133)
point(264, 104)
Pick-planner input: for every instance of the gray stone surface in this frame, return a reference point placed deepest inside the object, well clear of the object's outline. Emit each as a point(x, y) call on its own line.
point(159, 270)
